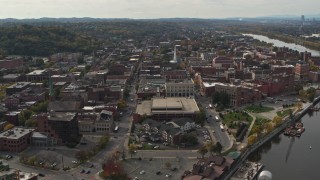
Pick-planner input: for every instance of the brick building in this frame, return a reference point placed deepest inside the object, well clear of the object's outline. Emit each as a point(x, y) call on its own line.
point(60, 126)
point(15, 139)
point(11, 63)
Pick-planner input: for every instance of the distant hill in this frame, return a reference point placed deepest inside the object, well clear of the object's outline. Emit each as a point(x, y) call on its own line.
point(43, 41)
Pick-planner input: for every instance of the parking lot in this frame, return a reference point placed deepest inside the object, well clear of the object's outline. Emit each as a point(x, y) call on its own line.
point(157, 168)
point(52, 158)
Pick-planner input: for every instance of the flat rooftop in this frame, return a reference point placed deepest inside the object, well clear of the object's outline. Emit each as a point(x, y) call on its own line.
point(19, 85)
point(16, 132)
point(167, 105)
point(61, 116)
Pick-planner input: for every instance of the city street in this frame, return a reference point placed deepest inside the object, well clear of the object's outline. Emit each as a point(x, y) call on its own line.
point(213, 125)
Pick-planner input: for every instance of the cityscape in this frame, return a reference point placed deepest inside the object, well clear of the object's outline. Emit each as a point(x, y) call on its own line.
point(159, 96)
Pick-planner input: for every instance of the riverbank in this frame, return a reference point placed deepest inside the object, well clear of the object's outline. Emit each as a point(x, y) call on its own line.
point(288, 39)
point(266, 139)
point(279, 43)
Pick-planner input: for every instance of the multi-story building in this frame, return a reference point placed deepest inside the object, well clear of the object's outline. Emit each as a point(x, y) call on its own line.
point(302, 70)
point(17, 87)
point(37, 75)
point(314, 76)
point(239, 95)
point(60, 126)
point(179, 88)
point(96, 123)
point(222, 62)
point(15, 139)
point(160, 108)
point(11, 63)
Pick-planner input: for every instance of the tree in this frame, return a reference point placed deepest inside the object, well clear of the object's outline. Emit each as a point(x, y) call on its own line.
point(115, 154)
point(113, 170)
point(268, 127)
point(218, 148)
point(132, 149)
point(210, 146)
point(31, 123)
point(252, 139)
point(277, 120)
point(203, 150)
point(23, 116)
point(189, 139)
point(299, 105)
point(122, 104)
point(8, 126)
point(200, 117)
point(81, 155)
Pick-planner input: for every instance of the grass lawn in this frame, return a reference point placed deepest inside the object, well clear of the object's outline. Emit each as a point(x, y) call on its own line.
point(258, 109)
point(234, 116)
point(284, 112)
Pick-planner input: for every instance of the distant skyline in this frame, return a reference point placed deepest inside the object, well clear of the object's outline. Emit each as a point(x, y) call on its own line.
point(149, 9)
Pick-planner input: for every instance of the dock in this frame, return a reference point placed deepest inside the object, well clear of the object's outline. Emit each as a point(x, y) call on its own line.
point(248, 171)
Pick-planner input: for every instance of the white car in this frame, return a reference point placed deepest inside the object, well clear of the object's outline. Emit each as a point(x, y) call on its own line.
point(156, 147)
point(142, 172)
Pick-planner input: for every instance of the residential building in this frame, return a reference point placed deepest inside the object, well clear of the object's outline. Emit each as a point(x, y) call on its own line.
point(301, 71)
point(15, 139)
point(184, 124)
point(212, 167)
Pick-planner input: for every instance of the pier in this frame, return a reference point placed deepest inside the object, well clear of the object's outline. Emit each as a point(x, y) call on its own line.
point(250, 149)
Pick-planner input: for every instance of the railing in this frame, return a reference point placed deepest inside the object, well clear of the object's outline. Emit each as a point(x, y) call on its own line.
point(265, 139)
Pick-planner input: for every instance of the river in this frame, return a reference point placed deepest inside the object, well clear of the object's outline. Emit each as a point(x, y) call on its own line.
point(279, 43)
point(291, 158)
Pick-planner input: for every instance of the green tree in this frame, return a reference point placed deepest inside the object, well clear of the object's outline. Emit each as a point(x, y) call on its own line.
point(122, 104)
point(189, 139)
point(218, 148)
point(31, 123)
point(24, 116)
point(202, 151)
point(132, 149)
point(200, 117)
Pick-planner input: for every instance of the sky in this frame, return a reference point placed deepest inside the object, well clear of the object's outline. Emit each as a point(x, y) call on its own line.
point(149, 9)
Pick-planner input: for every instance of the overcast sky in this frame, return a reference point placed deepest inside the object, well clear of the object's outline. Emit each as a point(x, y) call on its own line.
point(155, 8)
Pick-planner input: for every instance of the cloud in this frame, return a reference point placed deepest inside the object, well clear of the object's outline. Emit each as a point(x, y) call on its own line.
point(154, 8)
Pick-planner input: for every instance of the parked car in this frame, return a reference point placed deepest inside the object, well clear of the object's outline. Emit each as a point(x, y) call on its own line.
point(41, 175)
point(156, 147)
point(158, 173)
point(142, 172)
point(8, 157)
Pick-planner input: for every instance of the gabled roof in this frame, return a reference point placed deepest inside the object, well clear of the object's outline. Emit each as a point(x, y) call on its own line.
point(182, 121)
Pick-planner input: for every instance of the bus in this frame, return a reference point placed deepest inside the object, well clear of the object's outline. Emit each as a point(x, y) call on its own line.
point(116, 129)
point(210, 106)
point(221, 127)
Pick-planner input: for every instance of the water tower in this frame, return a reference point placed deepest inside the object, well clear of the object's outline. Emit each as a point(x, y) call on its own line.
point(265, 175)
